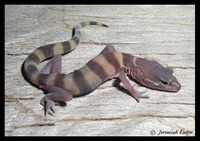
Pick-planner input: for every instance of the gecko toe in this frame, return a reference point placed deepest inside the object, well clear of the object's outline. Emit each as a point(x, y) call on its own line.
point(48, 105)
point(143, 96)
point(144, 91)
point(140, 95)
point(49, 108)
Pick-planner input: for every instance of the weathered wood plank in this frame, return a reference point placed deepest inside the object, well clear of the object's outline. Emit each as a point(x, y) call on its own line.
point(162, 33)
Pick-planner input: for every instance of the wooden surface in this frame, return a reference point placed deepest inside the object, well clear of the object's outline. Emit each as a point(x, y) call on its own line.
point(162, 33)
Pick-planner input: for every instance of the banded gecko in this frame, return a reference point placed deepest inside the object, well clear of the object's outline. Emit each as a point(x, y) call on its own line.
point(107, 65)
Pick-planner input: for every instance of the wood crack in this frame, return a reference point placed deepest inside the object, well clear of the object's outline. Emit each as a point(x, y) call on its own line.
point(179, 103)
point(120, 118)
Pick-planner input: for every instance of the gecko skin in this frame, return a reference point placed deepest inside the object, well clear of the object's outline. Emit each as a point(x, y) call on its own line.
point(107, 65)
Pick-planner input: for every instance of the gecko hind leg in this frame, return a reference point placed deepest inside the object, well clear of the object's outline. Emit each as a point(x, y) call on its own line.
point(55, 94)
point(54, 65)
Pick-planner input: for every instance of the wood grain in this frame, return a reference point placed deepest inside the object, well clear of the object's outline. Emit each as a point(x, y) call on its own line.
point(162, 33)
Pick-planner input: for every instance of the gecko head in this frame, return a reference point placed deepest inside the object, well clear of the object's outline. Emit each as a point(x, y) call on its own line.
point(163, 79)
point(154, 75)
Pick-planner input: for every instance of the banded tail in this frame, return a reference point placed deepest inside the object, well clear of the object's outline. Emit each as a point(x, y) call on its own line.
point(47, 51)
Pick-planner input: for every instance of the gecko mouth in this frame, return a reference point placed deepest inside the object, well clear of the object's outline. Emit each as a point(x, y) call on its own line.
point(177, 86)
point(174, 89)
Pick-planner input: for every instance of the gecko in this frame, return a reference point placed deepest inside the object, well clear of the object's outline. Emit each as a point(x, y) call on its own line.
point(106, 65)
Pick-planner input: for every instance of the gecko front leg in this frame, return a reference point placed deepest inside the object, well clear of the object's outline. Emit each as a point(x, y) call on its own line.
point(122, 76)
point(136, 94)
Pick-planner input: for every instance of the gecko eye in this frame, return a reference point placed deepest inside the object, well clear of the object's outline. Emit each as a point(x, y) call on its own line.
point(164, 82)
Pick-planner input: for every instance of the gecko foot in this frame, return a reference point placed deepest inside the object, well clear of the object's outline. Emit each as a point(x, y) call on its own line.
point(48, 105)
point(140, 95)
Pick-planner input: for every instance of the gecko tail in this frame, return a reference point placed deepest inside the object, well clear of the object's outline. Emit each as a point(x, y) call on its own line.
point(47, 51)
